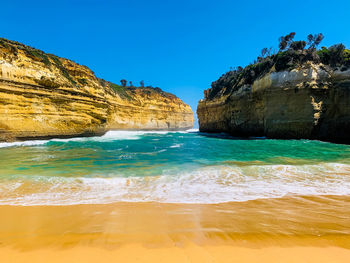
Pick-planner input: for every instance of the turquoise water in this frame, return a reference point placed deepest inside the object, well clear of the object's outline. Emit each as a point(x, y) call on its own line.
point(174, 167)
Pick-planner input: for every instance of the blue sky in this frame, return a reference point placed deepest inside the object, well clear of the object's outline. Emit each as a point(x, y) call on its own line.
point(180, 46)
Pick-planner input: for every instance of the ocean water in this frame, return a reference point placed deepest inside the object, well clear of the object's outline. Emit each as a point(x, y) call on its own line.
point(169, 167)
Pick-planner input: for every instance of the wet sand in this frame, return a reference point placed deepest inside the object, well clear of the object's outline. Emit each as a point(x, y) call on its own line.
point(290, 229)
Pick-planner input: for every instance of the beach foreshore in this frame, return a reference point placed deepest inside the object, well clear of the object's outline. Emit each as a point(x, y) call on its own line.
point(289, 229)
point(189, 253)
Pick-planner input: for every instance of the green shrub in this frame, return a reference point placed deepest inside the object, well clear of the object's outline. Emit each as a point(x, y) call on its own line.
point(39, 55)
point(298, 45)
point(347, 57)
point(60, 66)
point(120, 90)
point(335, 56)
point(283, 61)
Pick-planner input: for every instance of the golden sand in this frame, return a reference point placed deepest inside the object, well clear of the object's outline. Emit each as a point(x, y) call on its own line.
point(189, 253)
point(298, 229)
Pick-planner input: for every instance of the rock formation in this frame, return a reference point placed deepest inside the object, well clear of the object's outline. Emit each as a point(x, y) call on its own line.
point(309, 99)
point(42, 95)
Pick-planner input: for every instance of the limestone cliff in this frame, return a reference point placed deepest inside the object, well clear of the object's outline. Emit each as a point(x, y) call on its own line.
point(42, 95)
point(308, 100)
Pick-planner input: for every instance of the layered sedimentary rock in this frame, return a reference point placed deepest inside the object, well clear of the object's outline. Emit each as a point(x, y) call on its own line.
point(42, 95)
point(148, 109)
point(311, 101)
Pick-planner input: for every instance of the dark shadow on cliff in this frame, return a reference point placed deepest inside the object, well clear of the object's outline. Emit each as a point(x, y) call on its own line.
point(227, 136)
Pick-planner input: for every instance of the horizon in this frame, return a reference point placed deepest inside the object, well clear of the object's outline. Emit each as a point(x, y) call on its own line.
point(179, 46)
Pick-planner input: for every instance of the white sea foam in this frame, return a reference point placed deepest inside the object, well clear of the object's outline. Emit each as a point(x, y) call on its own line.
point(24, 143)
point(176, 145)
point(192, 130)
point(108, 136)
point(214, 184)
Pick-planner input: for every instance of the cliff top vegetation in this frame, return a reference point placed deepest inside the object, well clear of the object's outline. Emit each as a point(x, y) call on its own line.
point(291, 54)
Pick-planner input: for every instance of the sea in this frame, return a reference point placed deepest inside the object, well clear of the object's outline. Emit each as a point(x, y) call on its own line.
point(187, 167)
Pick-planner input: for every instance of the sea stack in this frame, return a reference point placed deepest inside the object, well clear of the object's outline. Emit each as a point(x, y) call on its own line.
point(297, 93)
point(43, 96)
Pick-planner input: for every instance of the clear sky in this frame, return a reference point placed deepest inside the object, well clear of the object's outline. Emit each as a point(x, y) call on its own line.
point(180, 45)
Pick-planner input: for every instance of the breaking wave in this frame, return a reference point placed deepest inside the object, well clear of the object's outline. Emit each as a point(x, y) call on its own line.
point(108, 136)
point(208, 185)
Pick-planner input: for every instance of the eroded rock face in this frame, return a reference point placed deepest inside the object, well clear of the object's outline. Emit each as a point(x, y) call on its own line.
point(42, 95)
point(312, 102)
point(148, 110)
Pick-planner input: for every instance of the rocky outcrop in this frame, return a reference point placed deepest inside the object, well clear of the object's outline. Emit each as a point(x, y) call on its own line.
point(311, 101)
point(42, 95)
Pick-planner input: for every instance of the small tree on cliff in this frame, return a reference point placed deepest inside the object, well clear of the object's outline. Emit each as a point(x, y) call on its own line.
point(336, 55)
point(265, 52)
point(314, 40)
point(142, 83)
point(130, 84)
point(123, 82)
point(285, 41)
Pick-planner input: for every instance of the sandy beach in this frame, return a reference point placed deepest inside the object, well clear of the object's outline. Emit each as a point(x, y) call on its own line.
point(290, 229)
